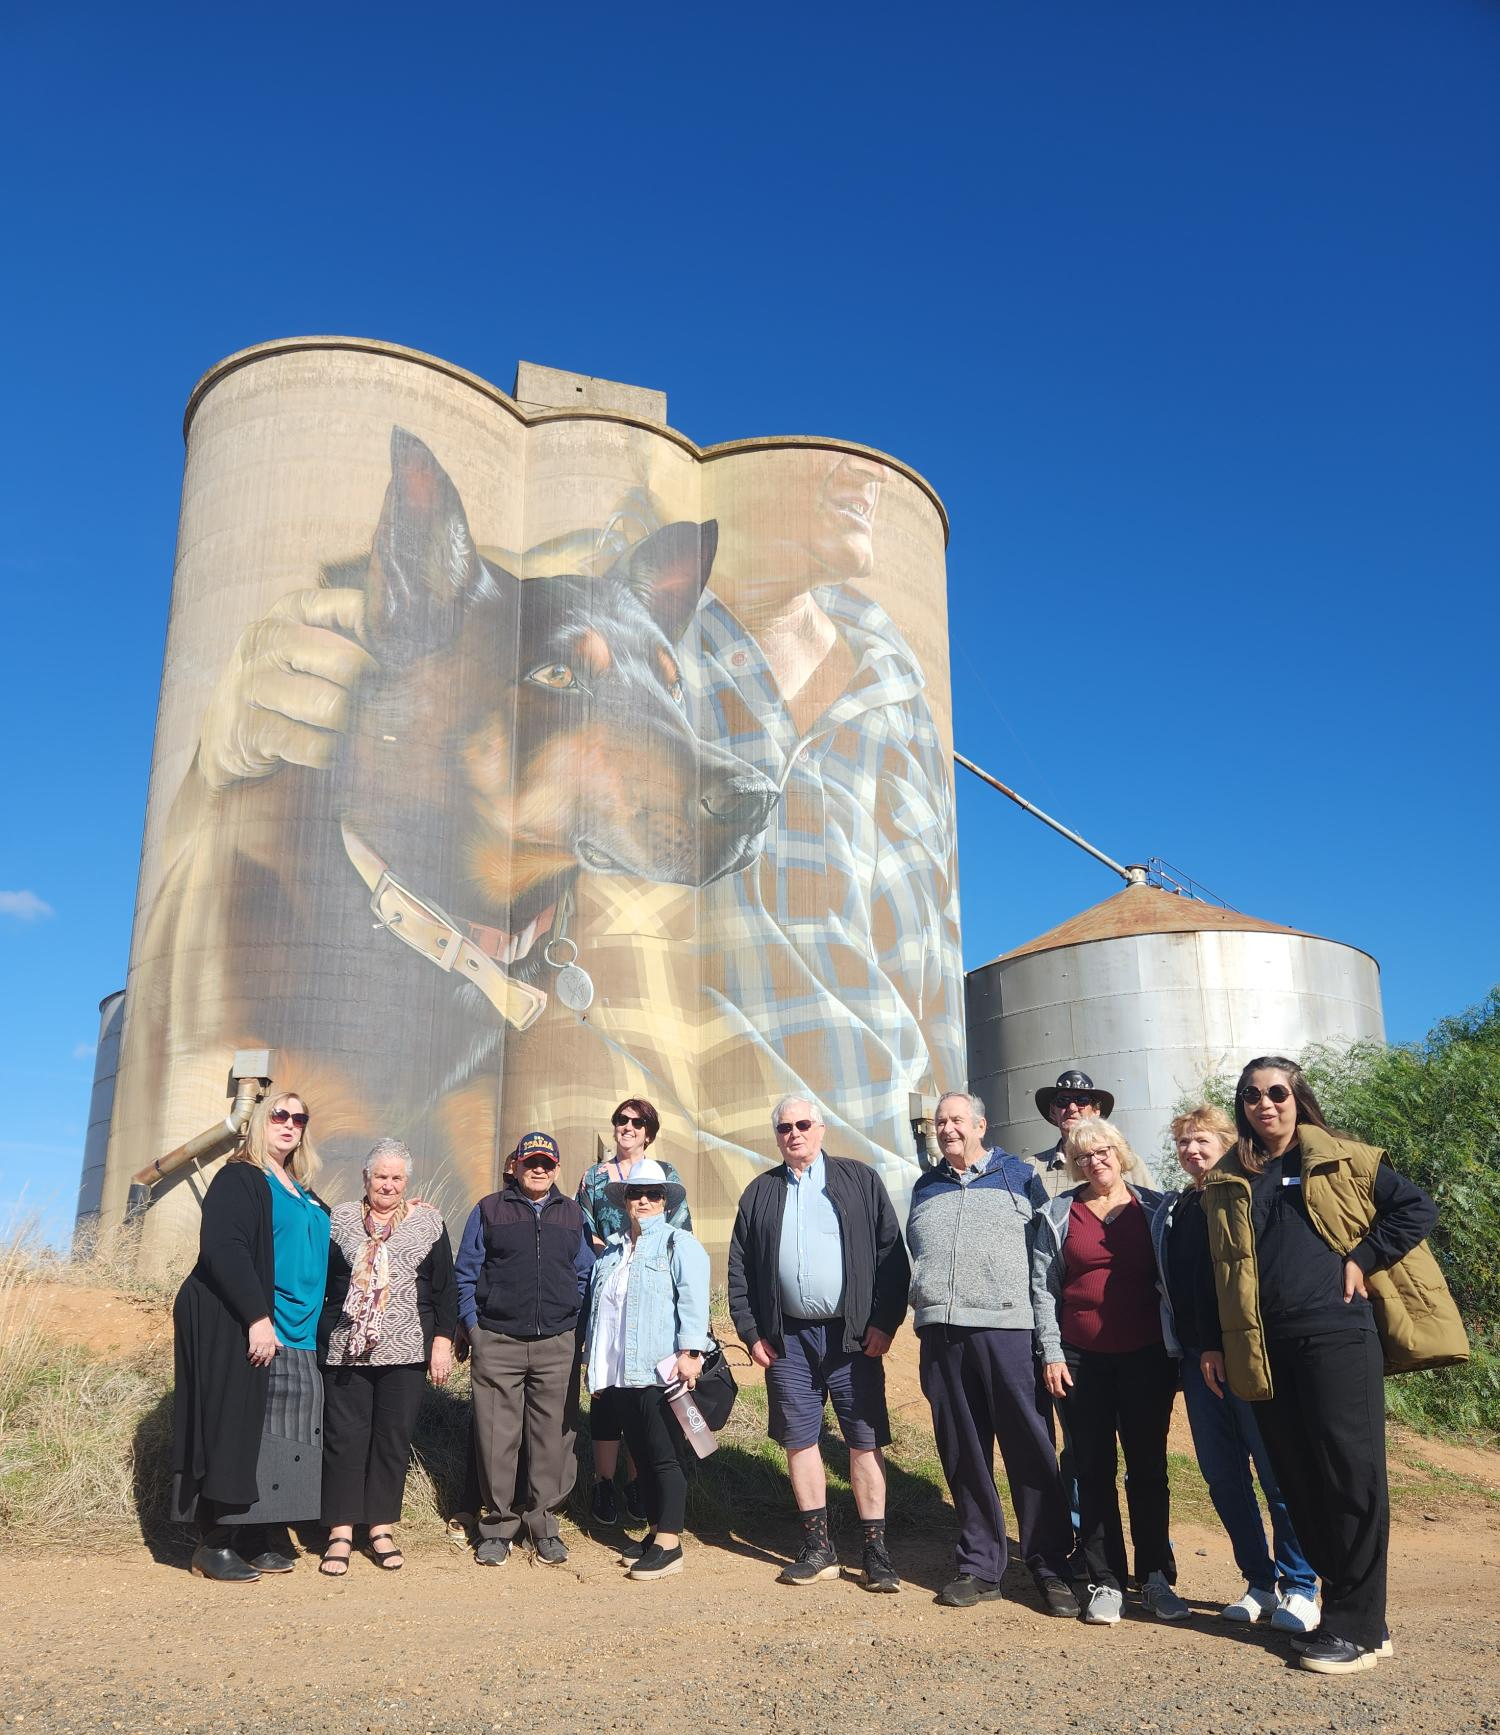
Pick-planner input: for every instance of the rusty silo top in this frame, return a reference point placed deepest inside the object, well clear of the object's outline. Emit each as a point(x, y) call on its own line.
point(1146, 910)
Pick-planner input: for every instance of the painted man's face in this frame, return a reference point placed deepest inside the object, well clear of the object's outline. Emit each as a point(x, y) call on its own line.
point(795, 519)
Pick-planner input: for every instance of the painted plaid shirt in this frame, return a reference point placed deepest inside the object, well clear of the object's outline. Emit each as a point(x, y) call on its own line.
point(835, 959)
point(831, 965)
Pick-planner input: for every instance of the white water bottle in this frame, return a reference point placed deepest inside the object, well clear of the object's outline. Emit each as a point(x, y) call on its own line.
point(690, 1418)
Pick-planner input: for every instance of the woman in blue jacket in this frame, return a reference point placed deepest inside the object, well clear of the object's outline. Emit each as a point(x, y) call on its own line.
point(648, 1303)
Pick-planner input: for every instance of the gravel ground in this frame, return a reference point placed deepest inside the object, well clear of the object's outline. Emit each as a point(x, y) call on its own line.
point(122, 1642)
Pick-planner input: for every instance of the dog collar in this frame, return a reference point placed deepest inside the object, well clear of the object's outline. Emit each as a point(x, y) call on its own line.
point(471, 952)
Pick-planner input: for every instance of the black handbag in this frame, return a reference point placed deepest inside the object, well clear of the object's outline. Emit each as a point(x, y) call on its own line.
point(716, 1389)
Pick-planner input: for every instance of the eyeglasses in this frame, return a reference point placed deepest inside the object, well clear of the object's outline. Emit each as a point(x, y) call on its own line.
point(282, 1115)
point(1251, 1094)
point(785, 1127)
point(627, 1120)
point(1072, 1101)
point(538, 1162)
point(653, 1195)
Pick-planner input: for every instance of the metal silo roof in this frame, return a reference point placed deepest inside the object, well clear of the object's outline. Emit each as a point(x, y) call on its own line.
point(1146, 910)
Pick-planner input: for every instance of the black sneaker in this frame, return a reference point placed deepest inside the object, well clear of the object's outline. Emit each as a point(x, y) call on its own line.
point(816, 1561)
point(1058, 1598)
point(493, 1551)
point(1304, 1641)
point(966, 1590)
point(1328, 1655)
point(876, 1571)
point(550, 1550)
point(635, 1509)
point(657, 1562)
point(605, 1508)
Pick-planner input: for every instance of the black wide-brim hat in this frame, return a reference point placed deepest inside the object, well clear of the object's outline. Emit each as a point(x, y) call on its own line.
point(1073, 1084)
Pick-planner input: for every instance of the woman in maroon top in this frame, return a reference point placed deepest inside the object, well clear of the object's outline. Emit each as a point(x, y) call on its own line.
point(1099, 1322)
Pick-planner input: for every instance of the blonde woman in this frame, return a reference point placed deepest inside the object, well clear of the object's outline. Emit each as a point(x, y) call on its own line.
point(248, 1409)
point(1099, 1324)
point(388, 1325)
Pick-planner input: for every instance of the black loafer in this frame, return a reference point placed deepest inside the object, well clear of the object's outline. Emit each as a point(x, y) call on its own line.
point(273, 1561)
point(222, 1565)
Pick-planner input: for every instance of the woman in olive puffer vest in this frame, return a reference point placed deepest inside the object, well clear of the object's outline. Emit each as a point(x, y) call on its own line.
point(1322, 1283)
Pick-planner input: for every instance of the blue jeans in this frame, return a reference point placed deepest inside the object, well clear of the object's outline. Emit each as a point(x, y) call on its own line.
point(1226, 1440)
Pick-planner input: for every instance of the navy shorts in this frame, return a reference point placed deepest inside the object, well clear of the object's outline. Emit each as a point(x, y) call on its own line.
point(815, 1368)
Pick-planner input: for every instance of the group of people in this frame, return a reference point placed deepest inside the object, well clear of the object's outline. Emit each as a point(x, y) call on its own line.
point(1275, 1287)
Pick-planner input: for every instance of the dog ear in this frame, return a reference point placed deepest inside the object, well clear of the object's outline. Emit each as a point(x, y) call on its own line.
point(668, 570)
point(424, 568)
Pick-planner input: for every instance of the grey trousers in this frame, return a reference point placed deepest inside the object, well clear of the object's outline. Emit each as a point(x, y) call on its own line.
point(523, 1384)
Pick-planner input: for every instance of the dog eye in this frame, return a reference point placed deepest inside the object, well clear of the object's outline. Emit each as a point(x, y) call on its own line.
point(555, 675)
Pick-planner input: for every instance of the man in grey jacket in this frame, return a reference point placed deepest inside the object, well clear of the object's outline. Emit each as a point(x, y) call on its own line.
point(970, 1235)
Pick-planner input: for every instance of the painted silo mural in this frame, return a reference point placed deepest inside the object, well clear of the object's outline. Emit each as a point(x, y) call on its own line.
point(509, 765)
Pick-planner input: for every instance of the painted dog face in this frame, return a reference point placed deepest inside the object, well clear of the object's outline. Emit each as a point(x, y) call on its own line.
point(519, 732)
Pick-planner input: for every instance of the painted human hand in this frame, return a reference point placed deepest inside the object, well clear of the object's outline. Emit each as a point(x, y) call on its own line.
point(284, 694)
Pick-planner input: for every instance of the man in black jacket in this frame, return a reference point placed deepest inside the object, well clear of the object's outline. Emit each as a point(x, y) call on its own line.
point(818, 1279)
point(521, 1272)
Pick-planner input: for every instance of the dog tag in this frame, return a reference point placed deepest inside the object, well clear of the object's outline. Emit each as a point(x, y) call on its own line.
point(574, 987)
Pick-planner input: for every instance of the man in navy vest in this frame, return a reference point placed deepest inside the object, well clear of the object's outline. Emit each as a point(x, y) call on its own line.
point(522, 1269)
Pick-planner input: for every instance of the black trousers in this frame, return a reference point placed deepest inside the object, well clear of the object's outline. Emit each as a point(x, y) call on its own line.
point(653, 1436)
point(369, 1417)
point(1325, 1431)
point(1126, 1397)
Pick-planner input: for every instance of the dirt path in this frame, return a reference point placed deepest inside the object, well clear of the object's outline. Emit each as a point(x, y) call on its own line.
point(125, 1643)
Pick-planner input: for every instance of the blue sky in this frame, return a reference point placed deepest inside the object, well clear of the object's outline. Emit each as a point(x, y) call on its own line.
point(1188, 312)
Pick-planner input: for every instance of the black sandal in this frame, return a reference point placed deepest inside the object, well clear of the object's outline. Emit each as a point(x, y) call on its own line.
point(389, 1559)
point(338, 1562)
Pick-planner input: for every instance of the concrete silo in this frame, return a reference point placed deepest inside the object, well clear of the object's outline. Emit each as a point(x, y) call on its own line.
point(480, 800)
point(1148, 992)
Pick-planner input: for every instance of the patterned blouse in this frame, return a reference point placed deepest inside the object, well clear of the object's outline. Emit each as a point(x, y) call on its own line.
point(401, 1340)
point(604, 1219)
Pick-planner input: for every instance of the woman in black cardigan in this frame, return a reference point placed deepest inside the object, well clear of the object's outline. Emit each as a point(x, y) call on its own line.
point(388, 1322)
point(247, 1412)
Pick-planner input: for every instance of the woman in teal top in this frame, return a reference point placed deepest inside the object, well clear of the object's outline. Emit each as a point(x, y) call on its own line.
point(299, 1236)
point(247, 1444)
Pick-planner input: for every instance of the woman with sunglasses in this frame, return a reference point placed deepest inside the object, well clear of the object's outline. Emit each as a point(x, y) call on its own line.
point(388, 1325)
point(648, 1304)
point(1304, 1228)
point(636, 1124)
point(248, 1409)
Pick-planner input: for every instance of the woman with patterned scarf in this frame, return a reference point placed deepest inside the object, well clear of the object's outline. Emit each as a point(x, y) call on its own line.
point(388, 1321)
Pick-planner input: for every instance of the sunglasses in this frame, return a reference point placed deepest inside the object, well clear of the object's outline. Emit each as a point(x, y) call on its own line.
point(282, 1115)
point(627, 1120)
point(1251, 1094)
point(538, 1161)
point(655, 1195)
point(1072, 1101)
point(785, 1127)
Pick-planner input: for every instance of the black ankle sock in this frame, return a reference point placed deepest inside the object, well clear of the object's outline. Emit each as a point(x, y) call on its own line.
point(874, 1529)
point(815, 1526)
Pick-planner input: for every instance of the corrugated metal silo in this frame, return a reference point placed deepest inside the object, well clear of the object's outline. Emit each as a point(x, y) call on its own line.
point(1147, 992)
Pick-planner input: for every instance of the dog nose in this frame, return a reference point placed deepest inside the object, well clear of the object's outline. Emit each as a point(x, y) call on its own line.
point(743, 799)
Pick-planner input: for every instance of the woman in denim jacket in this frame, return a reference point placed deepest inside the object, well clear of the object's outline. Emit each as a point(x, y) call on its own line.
point(648, 1303)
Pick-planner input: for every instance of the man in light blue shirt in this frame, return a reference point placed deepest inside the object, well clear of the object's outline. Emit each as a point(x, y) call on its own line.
point(810, 1269)
point(818, 1277)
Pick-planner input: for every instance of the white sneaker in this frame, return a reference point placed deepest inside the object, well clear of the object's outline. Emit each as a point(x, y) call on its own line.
point(1104, 1605)
point(1162, 1600)
point(1295, 1613)
point(1254, 1605)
